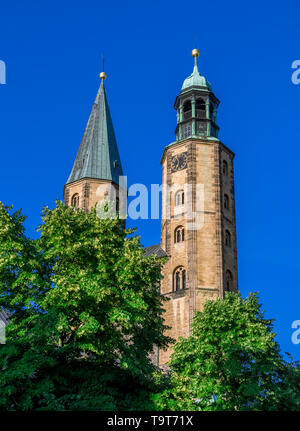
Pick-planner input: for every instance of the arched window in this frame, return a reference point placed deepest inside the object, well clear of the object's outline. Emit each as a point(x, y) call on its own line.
point(227, 238)
point(228, 281)
point(179, 198)
point(179, 234)
point(187, 109)
point(226, 202)
point(200, 108)
point(75, 201)
point(200, 104)
point(225, 167)
point(179, 278)
point(187, 106)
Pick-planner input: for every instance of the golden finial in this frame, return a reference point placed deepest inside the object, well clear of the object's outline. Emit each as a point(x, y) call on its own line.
point(195, 52)
point(103, 74)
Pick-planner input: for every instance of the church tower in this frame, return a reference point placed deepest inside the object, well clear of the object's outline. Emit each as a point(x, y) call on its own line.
point(198, 229)
point(97, 168)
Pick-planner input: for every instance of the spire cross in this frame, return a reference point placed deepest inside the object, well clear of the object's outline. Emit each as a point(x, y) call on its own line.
point(102, 74)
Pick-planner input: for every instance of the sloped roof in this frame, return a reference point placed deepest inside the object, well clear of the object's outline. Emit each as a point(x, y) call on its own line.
point(98, 155)
point(3, 316)
point(154, 249)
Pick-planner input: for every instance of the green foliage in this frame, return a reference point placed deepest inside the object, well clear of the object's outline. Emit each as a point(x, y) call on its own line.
point(230, 362)
point(85, 314)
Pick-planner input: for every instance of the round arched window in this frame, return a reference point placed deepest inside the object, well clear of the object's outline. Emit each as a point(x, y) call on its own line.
point(179, 278)
point(179, 234)
point(179, 198)
point(75, 201)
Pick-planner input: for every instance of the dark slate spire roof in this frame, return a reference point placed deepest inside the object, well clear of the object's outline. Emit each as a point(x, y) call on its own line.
point(98, 154)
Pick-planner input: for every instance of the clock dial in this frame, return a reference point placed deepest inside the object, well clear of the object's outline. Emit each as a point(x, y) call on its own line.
point(179, 162)
point(183, 161)
point(174, 163)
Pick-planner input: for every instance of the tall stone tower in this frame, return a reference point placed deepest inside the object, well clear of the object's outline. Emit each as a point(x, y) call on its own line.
point(97, 167)
point(198, 230)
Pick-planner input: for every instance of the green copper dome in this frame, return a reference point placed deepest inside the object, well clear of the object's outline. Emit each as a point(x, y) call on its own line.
point(195, 79)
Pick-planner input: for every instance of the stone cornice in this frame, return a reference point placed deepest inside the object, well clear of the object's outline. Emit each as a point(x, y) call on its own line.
point(206, 141)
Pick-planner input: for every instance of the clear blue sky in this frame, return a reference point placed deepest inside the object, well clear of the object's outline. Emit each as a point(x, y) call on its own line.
point(53, 55)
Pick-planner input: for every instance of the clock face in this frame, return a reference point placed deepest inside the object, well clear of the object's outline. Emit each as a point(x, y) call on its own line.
point(183, 161)
point(179, 162)
point(174, 164)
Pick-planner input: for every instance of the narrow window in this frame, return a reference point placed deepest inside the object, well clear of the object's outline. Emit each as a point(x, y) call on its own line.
point(225, 168)
point(179, 198)
point(183, 279)
point(228, 281)
point(227, 238)
point(226, 202)
point(177, 280)
point(179, 234)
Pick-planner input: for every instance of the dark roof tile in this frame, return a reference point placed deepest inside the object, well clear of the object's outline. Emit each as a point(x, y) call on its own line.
point(154, 249)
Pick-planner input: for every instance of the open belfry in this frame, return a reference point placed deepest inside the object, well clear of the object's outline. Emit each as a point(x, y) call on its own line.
point(198, 228)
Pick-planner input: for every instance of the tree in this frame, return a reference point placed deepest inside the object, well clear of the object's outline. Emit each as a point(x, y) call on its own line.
point(85, 313)
point(231, 362)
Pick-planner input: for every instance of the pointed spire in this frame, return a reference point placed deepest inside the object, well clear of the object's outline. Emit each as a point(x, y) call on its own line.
point(98, 155)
